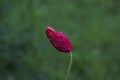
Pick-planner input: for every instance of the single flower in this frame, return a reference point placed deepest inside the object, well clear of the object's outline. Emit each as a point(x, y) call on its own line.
point(58, 40)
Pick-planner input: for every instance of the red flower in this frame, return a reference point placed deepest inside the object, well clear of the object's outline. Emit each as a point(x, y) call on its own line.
point(58, 40)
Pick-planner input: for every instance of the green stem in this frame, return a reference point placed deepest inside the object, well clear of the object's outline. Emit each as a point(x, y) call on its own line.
point(69, 67)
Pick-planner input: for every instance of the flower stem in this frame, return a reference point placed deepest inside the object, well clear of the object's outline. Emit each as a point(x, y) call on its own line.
point(69, 67)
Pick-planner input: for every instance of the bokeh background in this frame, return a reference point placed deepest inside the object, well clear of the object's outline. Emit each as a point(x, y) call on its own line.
point(93, 27)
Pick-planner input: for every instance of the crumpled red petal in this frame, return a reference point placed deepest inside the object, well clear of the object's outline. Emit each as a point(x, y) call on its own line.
point(58, 40)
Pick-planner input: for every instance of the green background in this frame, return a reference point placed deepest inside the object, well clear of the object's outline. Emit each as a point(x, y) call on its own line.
point(93, 27)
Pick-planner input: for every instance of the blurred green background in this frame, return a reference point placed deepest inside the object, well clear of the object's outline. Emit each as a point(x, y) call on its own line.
point(93, 27)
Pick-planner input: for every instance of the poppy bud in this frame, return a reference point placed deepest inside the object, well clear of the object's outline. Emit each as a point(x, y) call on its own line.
point(58, 40)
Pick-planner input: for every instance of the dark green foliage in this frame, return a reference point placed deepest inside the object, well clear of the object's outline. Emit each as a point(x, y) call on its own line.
point(93, 27)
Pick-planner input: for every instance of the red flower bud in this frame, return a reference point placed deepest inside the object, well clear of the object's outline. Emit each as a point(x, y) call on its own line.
point(58, 40)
